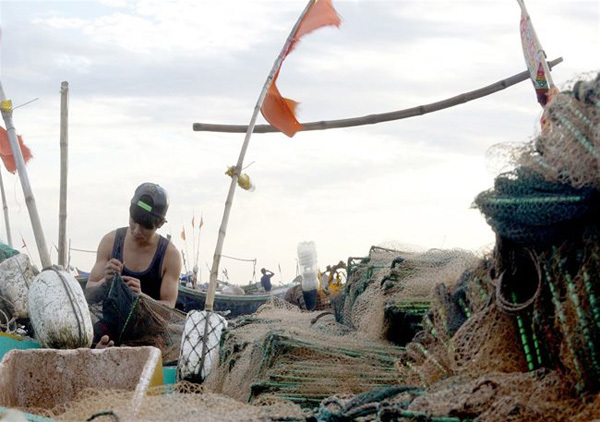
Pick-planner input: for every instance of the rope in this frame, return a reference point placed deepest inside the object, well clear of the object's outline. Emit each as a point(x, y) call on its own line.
point(103, 413)
point(78, 312)
point(507, 306)
point(82, 250)
point(239, 259)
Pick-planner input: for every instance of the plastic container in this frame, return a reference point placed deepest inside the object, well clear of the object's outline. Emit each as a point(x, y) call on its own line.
point(45, 378)
point(59, 312)
point(192, 365)
point(307, 259)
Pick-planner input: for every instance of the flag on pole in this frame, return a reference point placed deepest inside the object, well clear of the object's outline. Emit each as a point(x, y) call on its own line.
point(535, 58)
point(183, 233)
point(193, 217)
point(201, 222)
point(280, 111)
point(6, 152)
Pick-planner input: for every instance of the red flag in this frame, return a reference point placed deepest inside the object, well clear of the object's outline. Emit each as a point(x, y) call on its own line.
point(183, 233)
point(193, 217)
point(280, 111)
point(6, 152)
point(201, 222)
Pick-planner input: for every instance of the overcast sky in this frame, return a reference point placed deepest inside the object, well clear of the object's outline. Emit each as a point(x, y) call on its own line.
point(142, 72)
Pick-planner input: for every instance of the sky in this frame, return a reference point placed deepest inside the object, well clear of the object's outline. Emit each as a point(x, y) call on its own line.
point(141, 72)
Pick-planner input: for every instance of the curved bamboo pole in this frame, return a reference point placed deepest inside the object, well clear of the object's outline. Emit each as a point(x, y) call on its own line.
point(383, 117)
point(212, 285)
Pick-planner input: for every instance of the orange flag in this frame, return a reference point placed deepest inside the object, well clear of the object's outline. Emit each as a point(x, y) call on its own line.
point(280, 111)
point(6, 152)
point(183, 233)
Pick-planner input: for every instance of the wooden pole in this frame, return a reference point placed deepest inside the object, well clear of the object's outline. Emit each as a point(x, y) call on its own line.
point(64, 170)
point(383, 117)
point(7, 110)
point(5, 208)
point(210, 296)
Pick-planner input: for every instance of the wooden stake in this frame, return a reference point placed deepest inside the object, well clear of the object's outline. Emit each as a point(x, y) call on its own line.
point(383, 117)
point(64, 170)
point(7, 110)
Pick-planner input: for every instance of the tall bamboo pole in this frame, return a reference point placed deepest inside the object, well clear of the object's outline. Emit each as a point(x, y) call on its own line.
point(5, 208)
point(7, 110)
point(210, 296)
point(64, 170)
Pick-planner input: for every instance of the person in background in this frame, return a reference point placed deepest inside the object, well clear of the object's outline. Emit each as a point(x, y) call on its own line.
point(148, 262)
point(265, 279)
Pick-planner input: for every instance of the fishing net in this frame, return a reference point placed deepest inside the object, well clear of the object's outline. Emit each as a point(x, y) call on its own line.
point(392, 289)
point(552, 191)
point(136, 320)
point(282, 352)
point(199, 345)
point(181, 402)
point(7, 252)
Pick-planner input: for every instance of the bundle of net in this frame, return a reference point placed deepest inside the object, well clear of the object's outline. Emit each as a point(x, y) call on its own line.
point(471, 360)
point(553, 186)
point(181, 402)
point(394, 281)
point(136, 320)
point(284, 353)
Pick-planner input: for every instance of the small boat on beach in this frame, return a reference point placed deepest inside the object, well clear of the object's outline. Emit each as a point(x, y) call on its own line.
point(189, 299)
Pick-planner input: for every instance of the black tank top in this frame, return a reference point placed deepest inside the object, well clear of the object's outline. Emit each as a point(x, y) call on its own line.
point(151, 278)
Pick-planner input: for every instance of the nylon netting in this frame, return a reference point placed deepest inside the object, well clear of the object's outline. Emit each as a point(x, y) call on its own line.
point(180, 402)
point(551, 192)
point(136, 320)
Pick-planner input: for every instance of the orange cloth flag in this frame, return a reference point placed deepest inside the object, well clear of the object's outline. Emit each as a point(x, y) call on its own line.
point(6, 152)
point(280, 111)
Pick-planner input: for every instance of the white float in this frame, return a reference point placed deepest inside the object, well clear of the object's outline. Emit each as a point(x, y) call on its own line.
point(59, 312)
point(190, 366)
point(16, 275)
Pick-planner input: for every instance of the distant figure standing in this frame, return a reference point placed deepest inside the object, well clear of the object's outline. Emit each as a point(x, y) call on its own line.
point(265, 280)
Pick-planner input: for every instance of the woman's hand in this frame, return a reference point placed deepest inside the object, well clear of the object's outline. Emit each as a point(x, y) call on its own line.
point(133, 283)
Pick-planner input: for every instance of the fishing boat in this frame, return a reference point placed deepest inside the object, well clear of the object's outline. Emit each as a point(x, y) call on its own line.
point(237, 304)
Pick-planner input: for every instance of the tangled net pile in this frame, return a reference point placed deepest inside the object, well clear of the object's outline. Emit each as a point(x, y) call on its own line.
point(529, 347)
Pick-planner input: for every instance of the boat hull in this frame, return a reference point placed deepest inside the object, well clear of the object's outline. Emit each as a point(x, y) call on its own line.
point(191, 299)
